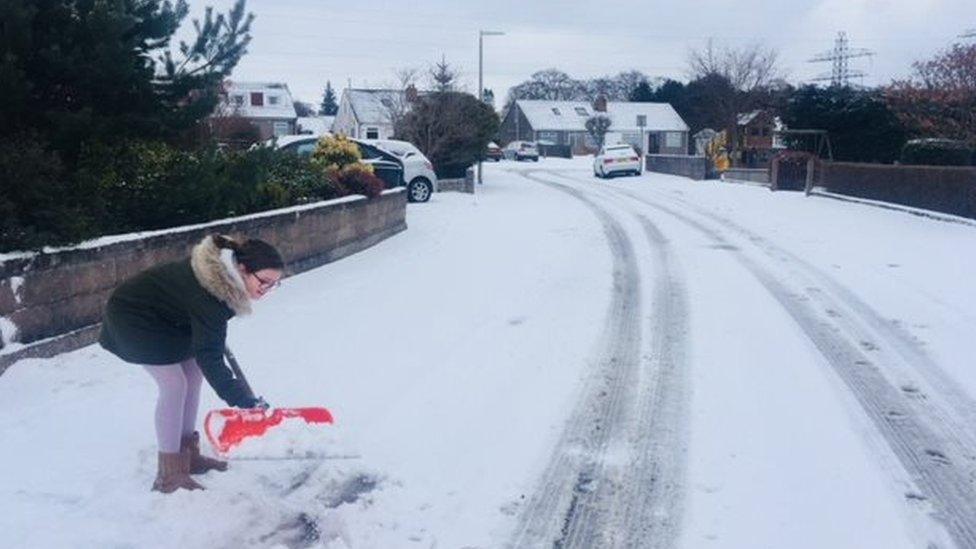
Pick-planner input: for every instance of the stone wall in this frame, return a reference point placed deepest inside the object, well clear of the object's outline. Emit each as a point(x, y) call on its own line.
point(460, 185)
point(52, 302)
point(746, 174)
point(695, 167)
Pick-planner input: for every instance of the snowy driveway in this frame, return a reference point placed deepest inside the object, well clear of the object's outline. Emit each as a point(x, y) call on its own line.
point(561, 360)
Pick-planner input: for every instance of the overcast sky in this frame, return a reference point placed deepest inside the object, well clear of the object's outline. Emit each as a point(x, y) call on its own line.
point(306, 42)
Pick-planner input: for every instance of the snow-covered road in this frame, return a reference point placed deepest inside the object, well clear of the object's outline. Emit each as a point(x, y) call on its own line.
point(562, 361)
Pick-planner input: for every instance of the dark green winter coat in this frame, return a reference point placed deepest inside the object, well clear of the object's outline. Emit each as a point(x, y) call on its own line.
point(176, 311)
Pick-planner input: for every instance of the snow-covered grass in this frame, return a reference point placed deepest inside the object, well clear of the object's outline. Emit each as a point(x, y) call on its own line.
point(452, 353)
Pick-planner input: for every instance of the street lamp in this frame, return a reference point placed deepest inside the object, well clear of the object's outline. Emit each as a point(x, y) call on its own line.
point(481, 86)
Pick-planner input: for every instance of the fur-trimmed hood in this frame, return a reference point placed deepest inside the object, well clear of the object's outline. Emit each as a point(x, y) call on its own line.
point(216, 276)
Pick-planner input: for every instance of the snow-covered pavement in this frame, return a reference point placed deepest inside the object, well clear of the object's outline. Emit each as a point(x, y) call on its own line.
point(645, 362)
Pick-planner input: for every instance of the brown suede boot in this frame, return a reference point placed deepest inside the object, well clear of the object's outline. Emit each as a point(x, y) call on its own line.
point(174, 473)
point(199, 463)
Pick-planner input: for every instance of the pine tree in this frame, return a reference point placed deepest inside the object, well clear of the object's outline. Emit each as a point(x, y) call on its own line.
point(75, 72)
point(329, 105)
point(444, 76)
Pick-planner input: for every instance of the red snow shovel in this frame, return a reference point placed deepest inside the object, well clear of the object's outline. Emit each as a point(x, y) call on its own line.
point(228, 428)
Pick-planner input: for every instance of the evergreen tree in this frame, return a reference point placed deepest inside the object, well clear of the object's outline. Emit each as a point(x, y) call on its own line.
point(82, 80)
point(642, 93)
point(451, 128)
point(329, 105)
point(862, 127)
point(76, 72)
point(443, 76)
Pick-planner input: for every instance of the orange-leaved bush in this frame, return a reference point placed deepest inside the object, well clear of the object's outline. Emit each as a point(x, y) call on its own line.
point(356, 179)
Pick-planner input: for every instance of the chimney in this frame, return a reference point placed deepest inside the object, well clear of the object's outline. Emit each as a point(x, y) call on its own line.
point(411, 93)
point(600, 105)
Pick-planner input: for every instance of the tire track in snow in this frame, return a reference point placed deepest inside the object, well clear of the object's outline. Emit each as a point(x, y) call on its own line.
point(927, 446)
point(909, 355)
point(653, 509)
point(625, 489)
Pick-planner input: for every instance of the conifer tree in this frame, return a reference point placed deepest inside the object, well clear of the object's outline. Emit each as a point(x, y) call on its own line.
point(329, 105)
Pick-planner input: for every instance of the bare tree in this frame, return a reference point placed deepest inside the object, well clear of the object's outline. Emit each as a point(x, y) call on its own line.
point(397, 100)
point(731, 81)
point(598, 125)
point(748, 69)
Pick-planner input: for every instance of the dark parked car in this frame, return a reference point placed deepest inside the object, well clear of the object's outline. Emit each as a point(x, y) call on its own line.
point(493, 153)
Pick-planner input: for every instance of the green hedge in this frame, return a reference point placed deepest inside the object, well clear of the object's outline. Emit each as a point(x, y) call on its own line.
point(141, 186)
point(938, 152)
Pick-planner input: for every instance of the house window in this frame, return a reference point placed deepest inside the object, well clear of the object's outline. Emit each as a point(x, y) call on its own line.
point(238, 100)
point(257, 99)
point(372, 133)
point(273, 99)
point(641, 120)
point(556, 112)
point(552, 137)
point(581, 111)
point(672, 140)
point(281, 128)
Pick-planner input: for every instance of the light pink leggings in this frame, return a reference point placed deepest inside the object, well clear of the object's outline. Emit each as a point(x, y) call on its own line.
point(179, 399)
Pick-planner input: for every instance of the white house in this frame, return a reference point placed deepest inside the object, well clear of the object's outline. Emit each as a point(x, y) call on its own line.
point(269, 106)
point(651, 127)
point(314, 125)
point(368, 114)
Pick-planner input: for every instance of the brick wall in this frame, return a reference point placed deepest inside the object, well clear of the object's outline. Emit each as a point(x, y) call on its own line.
point(55, 300)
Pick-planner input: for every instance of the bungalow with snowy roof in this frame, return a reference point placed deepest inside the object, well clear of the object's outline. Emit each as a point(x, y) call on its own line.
point(653, 128)
point(369, 113)
point(268, 106)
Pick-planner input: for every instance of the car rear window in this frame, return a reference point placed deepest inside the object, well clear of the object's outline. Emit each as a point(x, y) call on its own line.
point(369, 152)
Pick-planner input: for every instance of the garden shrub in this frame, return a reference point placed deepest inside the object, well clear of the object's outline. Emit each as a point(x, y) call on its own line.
point(38, 204)
point(938, 152)
point(133, 186)
point(336, 151)
point(357, 179)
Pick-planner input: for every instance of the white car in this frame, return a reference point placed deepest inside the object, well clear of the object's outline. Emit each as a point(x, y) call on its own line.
point(616, 159)
point(418, 171)
point(521, 150)
point(385, 165)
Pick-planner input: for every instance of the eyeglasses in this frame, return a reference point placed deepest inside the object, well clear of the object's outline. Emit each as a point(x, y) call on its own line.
point(266, 285)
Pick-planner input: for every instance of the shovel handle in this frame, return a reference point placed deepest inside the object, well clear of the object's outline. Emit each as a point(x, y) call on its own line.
point(232, 360)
